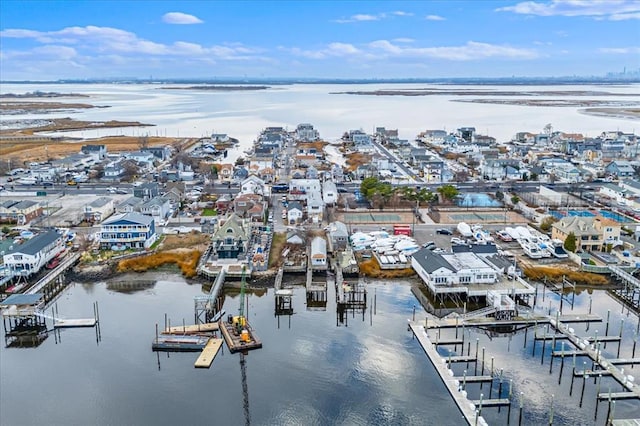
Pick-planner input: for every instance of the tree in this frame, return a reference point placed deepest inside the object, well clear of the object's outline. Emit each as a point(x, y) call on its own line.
point(448, 192)
point(534, 176)
point(570, 242)
point(143, 142)
point(515, 200)
point(368, 187)
point(499, 195)
point(130, 170)
point(547, 222)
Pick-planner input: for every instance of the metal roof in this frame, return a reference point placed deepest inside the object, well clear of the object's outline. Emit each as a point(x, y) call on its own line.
point(430, 261)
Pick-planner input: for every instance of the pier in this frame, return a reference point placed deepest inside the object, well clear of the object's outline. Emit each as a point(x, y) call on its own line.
point(351, 296)
point(316, 289)
point(467, 408)
point(283, 296)
point(54, 282)
point(629, 294)
point(235, 341)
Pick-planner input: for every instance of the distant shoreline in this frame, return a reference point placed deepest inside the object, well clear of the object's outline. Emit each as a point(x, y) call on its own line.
point(624, 113)
point(457, 92)
point(218, 88)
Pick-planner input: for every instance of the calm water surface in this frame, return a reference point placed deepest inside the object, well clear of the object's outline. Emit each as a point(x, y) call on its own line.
point(311, 370)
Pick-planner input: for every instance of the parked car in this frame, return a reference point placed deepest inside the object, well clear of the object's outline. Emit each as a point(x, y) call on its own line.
point(444, 231)
point(459, 241)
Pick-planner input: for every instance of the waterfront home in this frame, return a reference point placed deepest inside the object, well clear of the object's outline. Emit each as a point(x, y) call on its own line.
point(142, 159)
point(452, 269)
point(592, 233)
point(311, 173)
point(436, 137)
point(338, 235)
point(231, 239)
point(97, 151)
point(98, 210)
point(157, 207)
point(28, 258)
point(295, 212)
point(128, 230)
point(74, 162)
point(295, 237)
point(318, 253)
point(19, 212)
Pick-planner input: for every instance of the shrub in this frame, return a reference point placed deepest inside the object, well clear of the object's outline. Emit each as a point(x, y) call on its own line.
point(187, 262)
point(371, 268)
point(554, 275)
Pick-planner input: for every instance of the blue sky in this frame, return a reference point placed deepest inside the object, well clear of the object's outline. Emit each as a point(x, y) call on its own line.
point(46, 40)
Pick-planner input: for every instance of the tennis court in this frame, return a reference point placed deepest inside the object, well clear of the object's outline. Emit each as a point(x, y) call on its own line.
point(471, 217)
point(373, 218)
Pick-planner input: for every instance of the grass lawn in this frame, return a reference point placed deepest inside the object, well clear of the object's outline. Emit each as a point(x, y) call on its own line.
point(209, 212)
point(277, 245)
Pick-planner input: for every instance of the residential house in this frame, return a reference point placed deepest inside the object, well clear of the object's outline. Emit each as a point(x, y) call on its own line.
point(98, 152)
point(452, 269)
point(128, 230)
point(620, 169)
point(223, 203)
point(315, 206)
point(161, 153)
point(436, 137)
point(29, 257)
point(147, 190)
point(311, 173)
point(467, 133)
point(220, 137)
point(175, 191)
point(306, 133)
point(114, 171)
point(329, 193)
point(44, 173)
point(337, 173)
point(74, 162)
point(295, 237)
point(267, 174)
point(319, 253)
point(244, 204)
point(240, 174)
point(230, 241)
point(98, 210)
point(631, 185)
point(143, 159)
point(615, 192)
point(157, 207)
point(588, 238)
point(19, 212)
point(501, 169)
point(225, 172)
point(130, 205)
point(253, 185)
point(304, 186)
point(338, 235)
point(295, 212)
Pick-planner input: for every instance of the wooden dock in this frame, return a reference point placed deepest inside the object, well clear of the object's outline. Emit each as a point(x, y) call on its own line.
point(193, 329)
point(433, 322)
point(624, 361)
point(69, 323)
point(452, 384)
point(233, 340)
point(208, 353)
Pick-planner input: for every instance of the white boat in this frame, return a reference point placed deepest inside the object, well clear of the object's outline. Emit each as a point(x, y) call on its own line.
point(504, 236)
point(556, 249)
point(533, 251)
point(464, 229)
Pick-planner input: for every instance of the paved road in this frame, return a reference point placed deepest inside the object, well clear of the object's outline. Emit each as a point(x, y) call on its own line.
point(395, 160)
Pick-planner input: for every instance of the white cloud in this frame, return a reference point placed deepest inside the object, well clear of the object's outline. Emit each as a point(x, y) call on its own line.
point(616, 10)
point(364, 17)
point(470, 51)
point(434, 18)
point(180, 18)
point(620, 50)
point(403, 40)
point(335, 49)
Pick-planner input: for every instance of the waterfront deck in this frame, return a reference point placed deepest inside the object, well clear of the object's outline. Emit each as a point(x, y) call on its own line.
point(208, 353)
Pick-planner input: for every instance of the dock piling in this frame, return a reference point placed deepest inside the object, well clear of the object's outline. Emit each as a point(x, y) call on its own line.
point(606, 331)
point(590, 302)
point(595, 417)
point(561, 363)
point(482, 374)
point(551, 413)
point(521, 407)
point(584, 381)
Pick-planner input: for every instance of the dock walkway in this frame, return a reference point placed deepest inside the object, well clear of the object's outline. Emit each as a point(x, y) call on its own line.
point(466, 407)
point(208, 353)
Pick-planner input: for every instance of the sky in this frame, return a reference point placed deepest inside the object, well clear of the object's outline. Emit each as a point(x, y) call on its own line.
point(50, 40)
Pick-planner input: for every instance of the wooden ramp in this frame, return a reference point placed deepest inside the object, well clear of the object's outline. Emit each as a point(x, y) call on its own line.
point(208, 353)
point(498, 402)
point(68, 323)
point(193, 329)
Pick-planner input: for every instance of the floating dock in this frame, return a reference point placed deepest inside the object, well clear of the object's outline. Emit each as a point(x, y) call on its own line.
point(208, 353)
point(69, 323)
point(192, 329)
point(233, 340)
point(172, 343)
